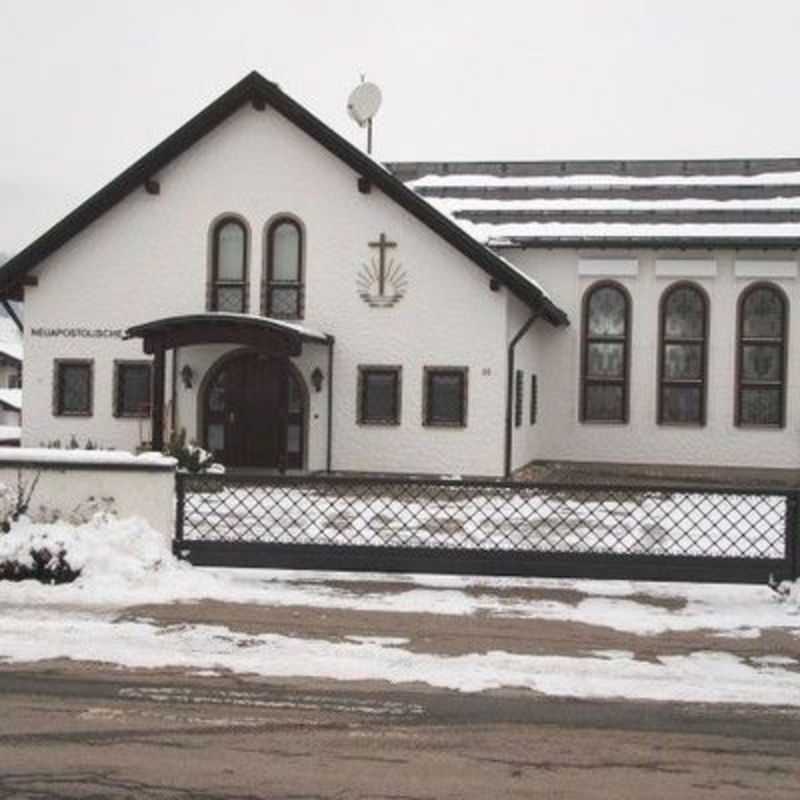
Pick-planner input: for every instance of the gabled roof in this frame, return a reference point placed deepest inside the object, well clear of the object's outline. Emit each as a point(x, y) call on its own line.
point(737, 203)
point(256, 89)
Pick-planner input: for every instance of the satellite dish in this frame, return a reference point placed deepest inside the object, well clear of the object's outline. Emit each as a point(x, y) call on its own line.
point(363, 103)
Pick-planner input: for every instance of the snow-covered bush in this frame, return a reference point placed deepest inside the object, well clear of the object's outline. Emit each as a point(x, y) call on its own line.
point(104, 549)
point(190, 457)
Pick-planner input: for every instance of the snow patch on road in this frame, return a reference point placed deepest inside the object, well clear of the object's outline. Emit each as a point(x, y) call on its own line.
point(697, 677)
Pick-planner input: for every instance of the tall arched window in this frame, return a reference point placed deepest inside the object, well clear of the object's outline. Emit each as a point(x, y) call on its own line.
point(683, 353)
point(761, 357)
point(283, 287)
point(606, 338)
point(228, 288)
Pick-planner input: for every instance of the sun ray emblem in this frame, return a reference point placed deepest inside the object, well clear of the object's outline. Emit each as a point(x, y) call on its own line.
point(382, 282)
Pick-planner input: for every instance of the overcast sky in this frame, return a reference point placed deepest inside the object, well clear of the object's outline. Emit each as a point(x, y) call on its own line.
point(87, 86)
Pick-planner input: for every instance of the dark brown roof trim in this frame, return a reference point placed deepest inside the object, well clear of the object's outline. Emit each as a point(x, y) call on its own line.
point(659, 242)
point(636, 191)
point(256, 89)
point(678, 216)
point(637, 168)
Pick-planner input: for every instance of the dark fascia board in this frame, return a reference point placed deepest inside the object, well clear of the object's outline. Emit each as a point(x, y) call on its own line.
point(255, 88)
point(637, 168)
point(663, 242)
point(222, 320)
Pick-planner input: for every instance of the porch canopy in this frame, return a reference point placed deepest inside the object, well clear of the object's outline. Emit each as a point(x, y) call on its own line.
point(276, 337)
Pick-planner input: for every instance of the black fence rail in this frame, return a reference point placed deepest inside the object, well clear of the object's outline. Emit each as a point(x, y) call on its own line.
point(648, 532)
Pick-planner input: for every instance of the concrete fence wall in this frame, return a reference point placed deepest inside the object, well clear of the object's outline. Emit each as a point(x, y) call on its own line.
point(70, 483)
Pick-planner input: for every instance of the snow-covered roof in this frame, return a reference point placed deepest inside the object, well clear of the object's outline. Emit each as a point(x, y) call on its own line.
point(10, 433)
point(218, 319)
point(11, 398)
point(10, 339)
point(738, 202)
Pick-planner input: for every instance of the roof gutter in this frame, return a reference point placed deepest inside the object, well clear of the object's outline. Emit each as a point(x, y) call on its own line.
point(510, 391)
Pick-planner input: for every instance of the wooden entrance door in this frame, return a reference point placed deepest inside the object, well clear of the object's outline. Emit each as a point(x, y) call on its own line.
point(247, 412)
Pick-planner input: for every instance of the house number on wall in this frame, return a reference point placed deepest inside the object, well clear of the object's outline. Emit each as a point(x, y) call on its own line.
point(382, 282)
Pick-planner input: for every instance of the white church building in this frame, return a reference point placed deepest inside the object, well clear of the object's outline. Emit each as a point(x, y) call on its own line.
point(264, 285)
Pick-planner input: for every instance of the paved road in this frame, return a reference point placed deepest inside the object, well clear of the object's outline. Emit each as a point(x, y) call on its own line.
point(80, 731)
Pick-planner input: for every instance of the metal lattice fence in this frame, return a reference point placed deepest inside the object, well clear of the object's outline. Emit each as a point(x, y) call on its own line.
point(692, 533)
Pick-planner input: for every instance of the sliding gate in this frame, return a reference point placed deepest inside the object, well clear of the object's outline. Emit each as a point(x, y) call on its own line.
point(648, 532)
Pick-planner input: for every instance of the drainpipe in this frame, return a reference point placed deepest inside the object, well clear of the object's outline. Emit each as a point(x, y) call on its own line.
point(329, 456)
point(174, 380)
point(510, 389)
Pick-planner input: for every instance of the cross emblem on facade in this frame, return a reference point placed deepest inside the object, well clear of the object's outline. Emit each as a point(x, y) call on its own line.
point(382, 281)
point(383, 244)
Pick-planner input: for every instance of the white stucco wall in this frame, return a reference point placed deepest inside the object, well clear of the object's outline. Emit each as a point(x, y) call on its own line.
point(148, 258)
point(642, 440)
point(526, 439)
point(67, 480)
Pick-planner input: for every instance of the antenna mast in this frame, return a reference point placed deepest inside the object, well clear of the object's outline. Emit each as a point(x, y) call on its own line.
point(363, 104)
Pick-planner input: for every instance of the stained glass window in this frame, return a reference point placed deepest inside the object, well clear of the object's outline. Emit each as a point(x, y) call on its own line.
point(229, 268)
point(761, 391)
point(605, 354)
point(683, 344)
point(283, 288)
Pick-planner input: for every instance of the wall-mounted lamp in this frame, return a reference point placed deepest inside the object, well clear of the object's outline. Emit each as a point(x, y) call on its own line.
point(316, 379)
point(187, 376)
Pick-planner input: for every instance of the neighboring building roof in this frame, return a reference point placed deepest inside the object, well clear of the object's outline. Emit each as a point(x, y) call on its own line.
point(742, 203)
point(10, 434)
point(10, 339)
point(11, 399)
point(256, 89)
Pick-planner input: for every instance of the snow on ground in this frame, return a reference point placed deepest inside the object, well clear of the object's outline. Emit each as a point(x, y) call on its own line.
point(697, 677)
point(126, 563)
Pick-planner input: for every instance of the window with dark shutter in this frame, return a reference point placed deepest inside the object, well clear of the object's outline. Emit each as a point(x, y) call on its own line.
point(445, 396)
point(132, 382)
point(518, 379)
point(534, 399)
point(379, 395)
point(72, 388)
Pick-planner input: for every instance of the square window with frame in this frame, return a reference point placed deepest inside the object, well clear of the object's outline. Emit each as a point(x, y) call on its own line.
point(73, 387)
point(379, 395)
point(444, 400)
point(132, 388)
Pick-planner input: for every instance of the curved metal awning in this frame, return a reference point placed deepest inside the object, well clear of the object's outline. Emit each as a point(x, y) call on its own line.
point(264, 333)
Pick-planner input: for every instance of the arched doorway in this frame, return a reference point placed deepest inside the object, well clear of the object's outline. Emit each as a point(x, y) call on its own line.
point(248, 418)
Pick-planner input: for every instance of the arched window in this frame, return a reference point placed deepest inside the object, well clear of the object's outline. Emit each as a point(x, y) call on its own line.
point(683, 349)
point(761, 357)
point(283, 287)
point(228, 288)
point(606, 337)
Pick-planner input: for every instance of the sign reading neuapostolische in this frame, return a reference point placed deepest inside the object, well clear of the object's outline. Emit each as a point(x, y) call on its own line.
point(79, 333)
